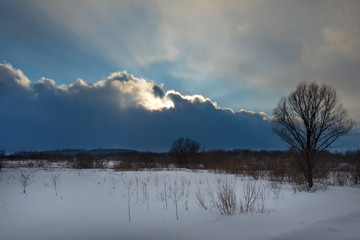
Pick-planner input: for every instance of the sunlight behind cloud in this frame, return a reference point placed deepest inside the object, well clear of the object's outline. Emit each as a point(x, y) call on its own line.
point(139, 91)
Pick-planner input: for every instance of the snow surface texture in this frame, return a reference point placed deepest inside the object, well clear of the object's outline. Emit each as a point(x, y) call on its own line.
point(94, 204)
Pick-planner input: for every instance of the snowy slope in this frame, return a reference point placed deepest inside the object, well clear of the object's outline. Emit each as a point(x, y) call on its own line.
point(93, 204)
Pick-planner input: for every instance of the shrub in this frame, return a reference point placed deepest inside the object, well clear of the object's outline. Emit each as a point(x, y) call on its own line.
point(201, 199)
point(227, 202)
point(355, 174)
point(226, 197)
point(83, 160)
point(40, 163)
point(99, 164)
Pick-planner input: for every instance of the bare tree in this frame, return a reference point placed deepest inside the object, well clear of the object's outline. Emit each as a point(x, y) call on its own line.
point(185, 150)
point(310, 119)
point(25, 181)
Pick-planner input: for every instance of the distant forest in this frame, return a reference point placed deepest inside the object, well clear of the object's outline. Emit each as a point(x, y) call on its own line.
point(280, 165)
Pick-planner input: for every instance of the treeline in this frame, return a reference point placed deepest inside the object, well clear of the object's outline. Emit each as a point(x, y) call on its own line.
point(234, 161)
point(279, 166)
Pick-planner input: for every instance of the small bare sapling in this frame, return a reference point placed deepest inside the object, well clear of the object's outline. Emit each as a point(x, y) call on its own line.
point(201, 199)
point(55, 182)
point(25, 181)
point(166, 179)
point(127, 185)
point(177, 193)
point(145, 194)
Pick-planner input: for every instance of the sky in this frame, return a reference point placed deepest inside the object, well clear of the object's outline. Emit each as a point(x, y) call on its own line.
point(139, 74)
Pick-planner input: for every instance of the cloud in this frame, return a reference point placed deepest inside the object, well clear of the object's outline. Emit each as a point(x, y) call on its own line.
point(158, 91)
point(12, 79)
point(243, 28)
point(332, 55)
point(139, 91)
point(242, 54)
point(219, 48)
point(338, 40)
point(120, 111)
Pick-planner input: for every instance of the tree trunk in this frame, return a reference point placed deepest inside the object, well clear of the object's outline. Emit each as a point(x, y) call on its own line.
point(309, 176)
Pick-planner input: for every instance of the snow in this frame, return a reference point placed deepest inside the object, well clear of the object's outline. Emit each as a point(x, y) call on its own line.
point(93, 204)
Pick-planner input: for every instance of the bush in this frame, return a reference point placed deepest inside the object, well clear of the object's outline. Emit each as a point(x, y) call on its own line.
point(355, 174)
point(253, 198)
point(226, 197)
point(99, 164)
point(83, 160)
point(227, 202)
point(126, 165)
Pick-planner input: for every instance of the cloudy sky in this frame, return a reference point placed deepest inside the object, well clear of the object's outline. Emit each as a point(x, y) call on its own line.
point(138, 74)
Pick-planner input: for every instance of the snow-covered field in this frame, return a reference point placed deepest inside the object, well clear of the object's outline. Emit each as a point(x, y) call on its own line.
point(105, 204)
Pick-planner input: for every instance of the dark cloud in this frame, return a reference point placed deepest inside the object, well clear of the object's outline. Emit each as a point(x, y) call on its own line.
point(158, 91)
point(121, 111)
